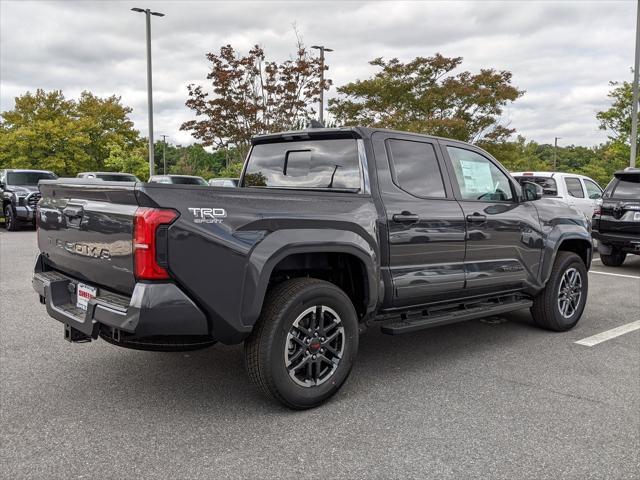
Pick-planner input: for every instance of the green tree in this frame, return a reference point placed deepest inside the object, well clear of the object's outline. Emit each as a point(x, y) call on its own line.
point(133, 160)
point(106, 122)
point(46, 131)
point(424, 95)
point(616, 120)
point(42, 132)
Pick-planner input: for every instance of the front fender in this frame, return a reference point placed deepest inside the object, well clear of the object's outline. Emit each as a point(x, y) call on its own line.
point(280, 244)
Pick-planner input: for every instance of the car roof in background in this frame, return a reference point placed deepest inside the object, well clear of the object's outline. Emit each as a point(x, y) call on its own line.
point(107, 173)
point(629, 173)
point(529, 173)
point(27, 170)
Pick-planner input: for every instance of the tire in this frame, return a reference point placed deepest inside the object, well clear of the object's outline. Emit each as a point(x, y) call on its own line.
point(615, 259)
point(10, 221)
point(278, 351)
point(546, 309)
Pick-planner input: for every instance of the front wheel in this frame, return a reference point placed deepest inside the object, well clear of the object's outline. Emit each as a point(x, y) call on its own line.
point(10, 220)
point(304, 344)
point(560, 305)
point(615, 259)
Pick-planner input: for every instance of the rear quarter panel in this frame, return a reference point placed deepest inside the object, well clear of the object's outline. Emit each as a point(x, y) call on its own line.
point(224, 262)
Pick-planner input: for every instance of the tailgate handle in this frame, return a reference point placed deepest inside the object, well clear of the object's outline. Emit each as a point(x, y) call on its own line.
point(73, 211)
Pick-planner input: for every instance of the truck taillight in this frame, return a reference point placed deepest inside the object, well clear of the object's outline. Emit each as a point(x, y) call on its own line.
point(145, 225)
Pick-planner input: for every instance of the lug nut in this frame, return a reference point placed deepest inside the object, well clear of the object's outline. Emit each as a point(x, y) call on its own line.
point(314, 357)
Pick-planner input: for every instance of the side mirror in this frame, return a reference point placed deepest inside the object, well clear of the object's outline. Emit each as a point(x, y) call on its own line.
point(531, 191)
point(595, 196)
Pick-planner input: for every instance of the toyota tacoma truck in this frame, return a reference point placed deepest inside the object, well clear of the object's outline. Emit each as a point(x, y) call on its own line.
point(328, 232)
point(20, 195)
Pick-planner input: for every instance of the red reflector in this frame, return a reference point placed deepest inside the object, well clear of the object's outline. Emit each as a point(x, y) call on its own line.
point(145, 223)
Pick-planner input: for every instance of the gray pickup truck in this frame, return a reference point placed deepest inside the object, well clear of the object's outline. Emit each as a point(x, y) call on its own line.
point(329, 231)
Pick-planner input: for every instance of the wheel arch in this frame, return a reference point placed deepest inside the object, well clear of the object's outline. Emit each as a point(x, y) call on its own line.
point(577, 243)
point(301, 250)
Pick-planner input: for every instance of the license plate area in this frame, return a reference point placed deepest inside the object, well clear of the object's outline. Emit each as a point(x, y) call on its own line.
point(84, 293)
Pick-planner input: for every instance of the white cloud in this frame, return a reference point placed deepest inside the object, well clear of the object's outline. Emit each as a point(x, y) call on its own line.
point(562, 53)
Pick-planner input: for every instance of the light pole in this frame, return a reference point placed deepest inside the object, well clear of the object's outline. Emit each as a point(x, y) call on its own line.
point(555, 147)
point(148, 14)
point(322, 49)
point(164, 156)
point(634, 105)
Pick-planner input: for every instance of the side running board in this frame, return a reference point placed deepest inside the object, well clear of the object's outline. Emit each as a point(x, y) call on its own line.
point(414, 320)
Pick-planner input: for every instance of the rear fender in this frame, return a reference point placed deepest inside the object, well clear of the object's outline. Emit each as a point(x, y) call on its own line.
point(278, 245)
point(564, 237)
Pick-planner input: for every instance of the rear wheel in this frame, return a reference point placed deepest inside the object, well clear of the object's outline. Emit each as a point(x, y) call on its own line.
point(615, 259)
point(560, 305)
point(10, 220)
point(304, 344)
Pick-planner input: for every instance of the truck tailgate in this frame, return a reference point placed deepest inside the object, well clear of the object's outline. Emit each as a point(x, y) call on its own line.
point(85, 230)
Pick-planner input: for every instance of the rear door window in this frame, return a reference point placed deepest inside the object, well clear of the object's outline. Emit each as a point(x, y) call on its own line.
point(330, 164)
point(416, 168)
point(574, 187)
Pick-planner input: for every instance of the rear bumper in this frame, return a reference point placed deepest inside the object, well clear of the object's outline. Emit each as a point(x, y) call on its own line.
point(626, 243)
point(154, 311)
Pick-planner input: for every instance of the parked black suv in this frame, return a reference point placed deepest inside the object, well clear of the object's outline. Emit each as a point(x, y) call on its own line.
point(330, 230)
point(616, 222)
point(20, 195)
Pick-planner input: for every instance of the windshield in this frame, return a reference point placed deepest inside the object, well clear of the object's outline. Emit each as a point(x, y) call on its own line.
point(188, 181)
point(626, 189)
point(549, 187)
point(316, 164)
point(28, 178)
point(117, 178)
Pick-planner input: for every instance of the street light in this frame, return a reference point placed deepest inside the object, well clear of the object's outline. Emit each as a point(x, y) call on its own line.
point(164, 151)
point(555, 147)
point(148, 14)
point(322, 49)
point(634, 105)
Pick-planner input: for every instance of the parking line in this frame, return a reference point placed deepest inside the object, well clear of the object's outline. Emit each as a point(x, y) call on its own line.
point(609, 334)
point(614, 274)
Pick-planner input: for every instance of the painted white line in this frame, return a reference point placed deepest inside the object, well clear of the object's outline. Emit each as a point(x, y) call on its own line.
point(596, 260)
point(614, 274)
point(609, 334)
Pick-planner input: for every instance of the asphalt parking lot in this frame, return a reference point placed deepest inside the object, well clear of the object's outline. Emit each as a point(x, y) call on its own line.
point(496, 398)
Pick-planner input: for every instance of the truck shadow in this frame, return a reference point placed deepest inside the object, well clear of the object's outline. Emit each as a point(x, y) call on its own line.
point(211, 381)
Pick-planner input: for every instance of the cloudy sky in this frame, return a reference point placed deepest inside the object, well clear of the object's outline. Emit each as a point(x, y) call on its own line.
point(562, 53)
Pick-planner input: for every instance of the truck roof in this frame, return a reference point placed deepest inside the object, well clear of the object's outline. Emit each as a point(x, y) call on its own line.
point(344, 132)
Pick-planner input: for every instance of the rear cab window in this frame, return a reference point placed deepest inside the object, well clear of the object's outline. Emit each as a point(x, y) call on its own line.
point(327, 164)
point(548, 184)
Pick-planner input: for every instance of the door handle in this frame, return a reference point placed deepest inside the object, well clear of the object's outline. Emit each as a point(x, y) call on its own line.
point(476, 218)
point(405, 217)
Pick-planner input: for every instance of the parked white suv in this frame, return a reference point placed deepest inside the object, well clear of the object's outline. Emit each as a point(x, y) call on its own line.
point(575, 190)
